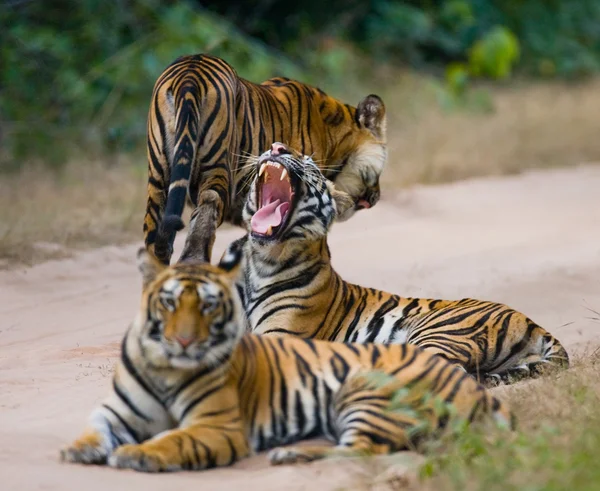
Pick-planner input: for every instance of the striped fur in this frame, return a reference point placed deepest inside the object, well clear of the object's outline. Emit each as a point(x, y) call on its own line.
point(205, 122)
point(290, 287)
point(192, 390)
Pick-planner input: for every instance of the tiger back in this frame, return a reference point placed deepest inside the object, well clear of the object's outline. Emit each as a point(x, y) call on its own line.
point(205, 122)
point(193, 390)
point(290, 287)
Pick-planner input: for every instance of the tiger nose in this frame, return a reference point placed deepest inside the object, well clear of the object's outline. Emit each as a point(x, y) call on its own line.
point(184, 341)
point(278, 149)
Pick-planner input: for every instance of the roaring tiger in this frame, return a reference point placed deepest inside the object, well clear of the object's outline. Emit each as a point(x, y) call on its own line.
point(290, 287)
point(194, 390)
point(204, 121)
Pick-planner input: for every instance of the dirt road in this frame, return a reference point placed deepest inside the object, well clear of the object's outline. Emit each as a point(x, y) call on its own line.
point(532, 241)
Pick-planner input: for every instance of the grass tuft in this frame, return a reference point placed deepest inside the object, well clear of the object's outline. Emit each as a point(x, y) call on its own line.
point(554, 448)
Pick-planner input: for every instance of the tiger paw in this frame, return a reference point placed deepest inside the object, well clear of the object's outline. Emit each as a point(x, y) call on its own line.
point(143, 458)
point(86, 450)
point(288, 455)
point(491, 380)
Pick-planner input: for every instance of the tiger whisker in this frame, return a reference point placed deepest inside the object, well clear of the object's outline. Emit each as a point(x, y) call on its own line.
point(245, 154)
point(246, 166)
point(247, 181)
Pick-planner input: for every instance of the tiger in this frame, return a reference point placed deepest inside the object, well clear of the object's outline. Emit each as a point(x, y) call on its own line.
point(204, 120)
point(289, 286)
point(194, 390)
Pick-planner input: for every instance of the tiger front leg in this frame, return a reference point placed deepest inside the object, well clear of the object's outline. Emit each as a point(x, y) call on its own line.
point(194, 448)
point(104, 433)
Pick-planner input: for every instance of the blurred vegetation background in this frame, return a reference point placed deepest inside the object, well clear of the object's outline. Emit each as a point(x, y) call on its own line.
point(78, 74)
point(472, 88)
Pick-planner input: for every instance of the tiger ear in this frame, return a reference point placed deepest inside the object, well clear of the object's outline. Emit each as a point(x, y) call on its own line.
point(149, 266)
point(231, 259)
point(343, 202)
point(370, 114)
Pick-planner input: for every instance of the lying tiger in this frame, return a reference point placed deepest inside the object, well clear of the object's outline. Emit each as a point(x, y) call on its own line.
point(204, 120)
point(290, 287)
point(192, 390)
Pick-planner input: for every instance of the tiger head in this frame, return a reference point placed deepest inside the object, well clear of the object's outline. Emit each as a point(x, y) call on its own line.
point(291, 200)
point(190, 315)
point(361, 152)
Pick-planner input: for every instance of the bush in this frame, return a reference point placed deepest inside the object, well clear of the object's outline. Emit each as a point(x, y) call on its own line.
point(87, 77)
point(82, 72)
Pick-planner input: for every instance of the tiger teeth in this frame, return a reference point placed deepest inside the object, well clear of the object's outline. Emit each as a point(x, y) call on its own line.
point(277, 165)
point(269, 230)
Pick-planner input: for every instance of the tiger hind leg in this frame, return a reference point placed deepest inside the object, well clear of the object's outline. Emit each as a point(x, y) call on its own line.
point(514, 374)
point(360, 445)
point(155, 208)
point(553, 357)
point(527, 369)
point(206, 218)
point(363, 423)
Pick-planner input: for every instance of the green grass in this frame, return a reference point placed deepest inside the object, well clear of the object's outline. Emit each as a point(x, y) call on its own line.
point(555, 447)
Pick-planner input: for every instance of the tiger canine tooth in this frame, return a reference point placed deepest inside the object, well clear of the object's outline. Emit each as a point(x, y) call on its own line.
point(269, 230)
point(262, 169)
point(283, 175)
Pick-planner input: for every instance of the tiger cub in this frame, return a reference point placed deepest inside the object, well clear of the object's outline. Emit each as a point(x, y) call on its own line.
point(289, 286)
point(193, 390)
point(205, 120)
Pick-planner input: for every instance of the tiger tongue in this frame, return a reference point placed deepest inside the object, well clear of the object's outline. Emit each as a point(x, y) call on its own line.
point(268, 216)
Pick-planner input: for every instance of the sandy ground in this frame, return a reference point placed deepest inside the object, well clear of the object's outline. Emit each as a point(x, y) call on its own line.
point(532, 241)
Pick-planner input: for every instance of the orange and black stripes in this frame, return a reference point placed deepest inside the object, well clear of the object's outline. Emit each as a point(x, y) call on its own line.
point(203, 124)
point(178, 406)
point(290, 287)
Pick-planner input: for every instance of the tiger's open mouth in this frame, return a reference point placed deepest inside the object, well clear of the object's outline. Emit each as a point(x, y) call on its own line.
point(274, 197)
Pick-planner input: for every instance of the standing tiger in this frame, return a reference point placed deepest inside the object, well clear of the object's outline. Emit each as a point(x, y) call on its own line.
point(204, 121)
point(192, 390)
point(290, 287)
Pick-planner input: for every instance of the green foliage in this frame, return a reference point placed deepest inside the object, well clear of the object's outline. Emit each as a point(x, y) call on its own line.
point(493, 57)
point(555, 37)
point(420, 35)
point(457, 78)
point(81, 73)
point(495, 54)
point(558, 38)
point(87, 77)
point(494, 460)
point(555, 450)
